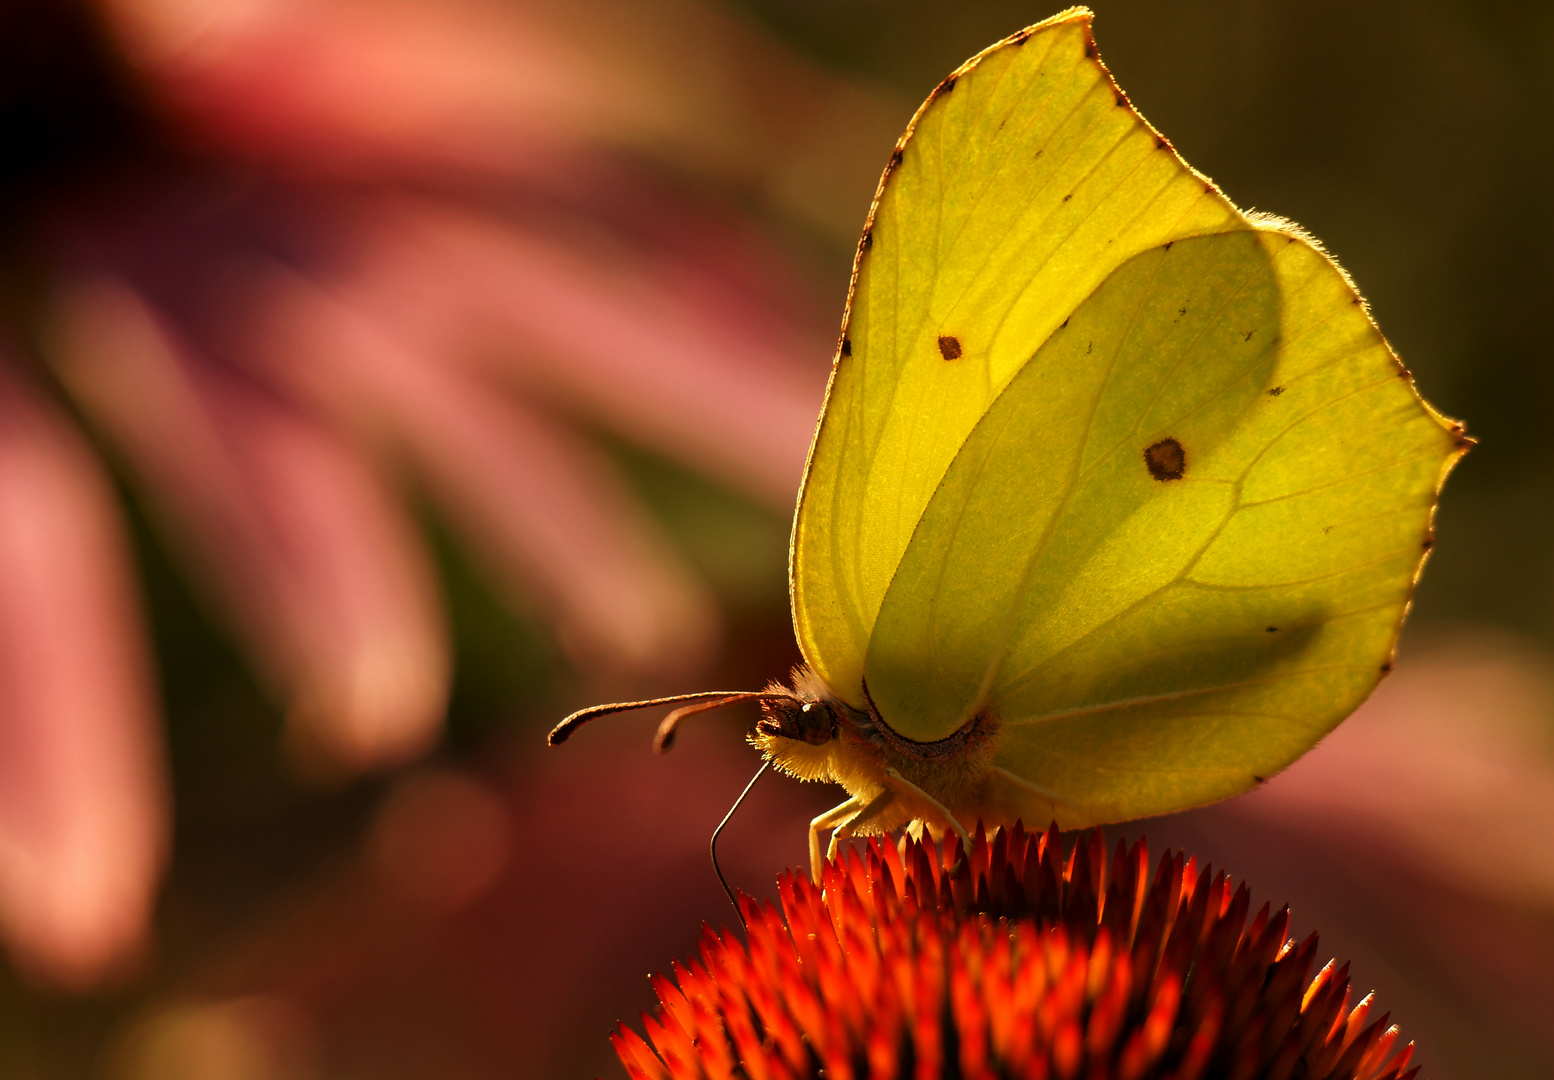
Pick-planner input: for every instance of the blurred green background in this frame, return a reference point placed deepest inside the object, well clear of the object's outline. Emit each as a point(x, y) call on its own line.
point(1413, 138)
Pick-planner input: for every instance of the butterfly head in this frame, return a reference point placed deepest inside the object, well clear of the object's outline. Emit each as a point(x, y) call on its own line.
point(793, 715)
point(803, 727)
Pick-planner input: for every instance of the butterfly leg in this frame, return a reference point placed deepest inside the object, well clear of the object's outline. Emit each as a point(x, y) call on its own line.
point(828, 820)
point(949, 818)
point(857, 821)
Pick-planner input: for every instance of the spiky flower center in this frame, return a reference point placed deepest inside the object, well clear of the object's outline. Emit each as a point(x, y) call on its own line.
point(926, 961)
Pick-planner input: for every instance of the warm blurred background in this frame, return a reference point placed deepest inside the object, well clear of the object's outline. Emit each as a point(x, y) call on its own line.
point(382, 379)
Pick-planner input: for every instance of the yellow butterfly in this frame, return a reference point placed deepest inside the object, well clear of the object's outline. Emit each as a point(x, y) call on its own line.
point(1118, 496)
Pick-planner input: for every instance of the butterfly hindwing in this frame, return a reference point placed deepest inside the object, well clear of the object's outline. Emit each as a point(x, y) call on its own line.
point(1178, 548)
point(1277, 629)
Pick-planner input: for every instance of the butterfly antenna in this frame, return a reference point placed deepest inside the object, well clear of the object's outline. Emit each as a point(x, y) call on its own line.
point(663, 739)
point(563, 731)
point(713, 847)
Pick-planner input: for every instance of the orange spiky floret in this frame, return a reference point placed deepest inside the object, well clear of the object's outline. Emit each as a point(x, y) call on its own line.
point(919, 960)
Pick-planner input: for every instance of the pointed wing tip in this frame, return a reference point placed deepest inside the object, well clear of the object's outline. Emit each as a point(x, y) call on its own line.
point(1077, 14)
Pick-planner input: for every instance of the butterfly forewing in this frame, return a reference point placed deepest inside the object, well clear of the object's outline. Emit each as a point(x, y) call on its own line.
point(1025, 180)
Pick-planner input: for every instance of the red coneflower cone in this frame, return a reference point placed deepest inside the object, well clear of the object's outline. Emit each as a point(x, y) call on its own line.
point(1013, 962)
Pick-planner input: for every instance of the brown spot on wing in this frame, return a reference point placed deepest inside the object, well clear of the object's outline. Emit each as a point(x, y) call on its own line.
point(1275, 391)
point(949, 347)
point(847, 346)
point(1166, 460)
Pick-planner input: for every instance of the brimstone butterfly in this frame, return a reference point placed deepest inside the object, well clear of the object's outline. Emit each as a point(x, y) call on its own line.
point(1118, 496)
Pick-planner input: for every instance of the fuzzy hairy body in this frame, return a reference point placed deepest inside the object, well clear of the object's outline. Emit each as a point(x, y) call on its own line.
point(857, 751)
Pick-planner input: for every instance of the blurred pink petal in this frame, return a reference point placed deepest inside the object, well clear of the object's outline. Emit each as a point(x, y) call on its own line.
point(312, 558)
point(374, 85)
point(83, 806)
point(1449, 761)
point(544, 511)
point(658, 347)
point(360, 86)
